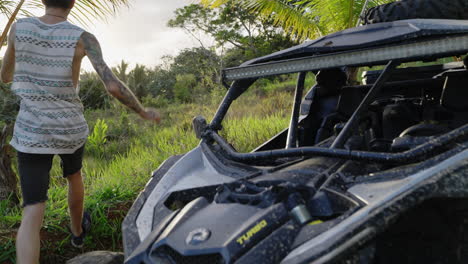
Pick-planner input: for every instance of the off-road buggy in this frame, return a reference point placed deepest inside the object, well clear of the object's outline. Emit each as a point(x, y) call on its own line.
point(371, 171)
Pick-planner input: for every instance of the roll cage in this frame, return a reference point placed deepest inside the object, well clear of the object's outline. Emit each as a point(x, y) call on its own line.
point(387, 44)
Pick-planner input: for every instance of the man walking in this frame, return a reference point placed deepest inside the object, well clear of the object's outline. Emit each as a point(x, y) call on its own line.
point(43, 60)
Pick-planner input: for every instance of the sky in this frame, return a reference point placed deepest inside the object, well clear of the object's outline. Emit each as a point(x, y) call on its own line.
point(139, 34)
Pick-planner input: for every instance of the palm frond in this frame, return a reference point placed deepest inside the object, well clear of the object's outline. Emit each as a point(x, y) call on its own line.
point(85, 11)
point(10, 22)
point(335, 15)
point(289, 16)
point(7, 7)
point(306, 18)
point(213, 3)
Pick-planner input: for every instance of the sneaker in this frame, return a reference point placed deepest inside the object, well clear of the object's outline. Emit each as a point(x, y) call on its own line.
point(78, 241)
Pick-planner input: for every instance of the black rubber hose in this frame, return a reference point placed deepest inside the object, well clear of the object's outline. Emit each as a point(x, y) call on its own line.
point(411, 9)
point(407, 157)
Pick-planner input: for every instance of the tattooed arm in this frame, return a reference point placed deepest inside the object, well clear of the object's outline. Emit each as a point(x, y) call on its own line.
point(113, 85)
point(8, 64)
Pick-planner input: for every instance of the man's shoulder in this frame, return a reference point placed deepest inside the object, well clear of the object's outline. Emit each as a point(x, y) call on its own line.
point(73, 26)
point(70, 26)
point(35, 22)
point(87, 37)
point(25, 20)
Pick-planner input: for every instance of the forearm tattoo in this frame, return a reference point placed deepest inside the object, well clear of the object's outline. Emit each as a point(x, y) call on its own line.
point(122, 92)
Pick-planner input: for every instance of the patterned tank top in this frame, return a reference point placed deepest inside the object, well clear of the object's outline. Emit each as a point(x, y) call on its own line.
point(50, 119)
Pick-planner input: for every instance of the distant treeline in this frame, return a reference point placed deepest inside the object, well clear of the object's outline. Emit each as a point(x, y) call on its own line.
point(194, 74)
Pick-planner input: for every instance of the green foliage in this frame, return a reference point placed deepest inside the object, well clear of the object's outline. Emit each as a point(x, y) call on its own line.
point(97, 139)
point(162, 84)
point(121, 71)
point(232, 25)
point(9, 105)
point(202, 63)
point(138, 80)
point(158, 85)
point(92, 92)
point(121, 127)
point(337, 15)
point(184, 87)
point(195, 61)
point(7, 250)
point(156, 102)
point(304, 19)
point(288, 14)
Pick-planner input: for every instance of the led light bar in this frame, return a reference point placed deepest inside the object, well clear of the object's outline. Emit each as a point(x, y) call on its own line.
point(447, 46)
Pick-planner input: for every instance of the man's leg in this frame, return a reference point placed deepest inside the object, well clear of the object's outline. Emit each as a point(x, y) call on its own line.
point(33, 170)
point(71, 165)
point(28, 238)
point(75, 201)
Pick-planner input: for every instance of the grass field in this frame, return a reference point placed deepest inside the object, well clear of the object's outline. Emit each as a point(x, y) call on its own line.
point(118, 163)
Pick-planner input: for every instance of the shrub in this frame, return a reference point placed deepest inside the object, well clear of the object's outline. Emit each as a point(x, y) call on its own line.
point(98, 138)
point(184, 84)
point(92, 92)
point(9, 105)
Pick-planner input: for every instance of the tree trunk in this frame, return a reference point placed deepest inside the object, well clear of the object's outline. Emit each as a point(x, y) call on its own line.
point(8, 180)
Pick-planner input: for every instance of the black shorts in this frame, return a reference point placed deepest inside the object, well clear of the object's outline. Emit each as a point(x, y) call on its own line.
point(34, 172)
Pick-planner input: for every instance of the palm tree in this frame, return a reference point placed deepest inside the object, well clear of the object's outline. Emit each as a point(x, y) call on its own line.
point(138, 80)
point(306, 18)
point(85, 10)
point(121, 71)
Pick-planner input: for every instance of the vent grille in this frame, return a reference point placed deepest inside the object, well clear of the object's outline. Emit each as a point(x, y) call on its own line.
point(167, 255)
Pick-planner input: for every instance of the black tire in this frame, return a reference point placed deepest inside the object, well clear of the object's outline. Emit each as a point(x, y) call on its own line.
point(410, 9)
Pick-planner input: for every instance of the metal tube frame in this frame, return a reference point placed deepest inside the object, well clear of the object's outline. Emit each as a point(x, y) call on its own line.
point(335, 150)
point(370, 97)
point(292, 132)
point(407, 157)
point(222, 110)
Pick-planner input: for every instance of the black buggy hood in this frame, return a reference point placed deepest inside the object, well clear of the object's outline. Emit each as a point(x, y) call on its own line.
point(369, 36)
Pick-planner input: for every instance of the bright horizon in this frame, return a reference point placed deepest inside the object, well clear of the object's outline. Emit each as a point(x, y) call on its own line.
point(138, 34)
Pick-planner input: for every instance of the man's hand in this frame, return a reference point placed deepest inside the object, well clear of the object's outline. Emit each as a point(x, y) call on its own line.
point(151, 115)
